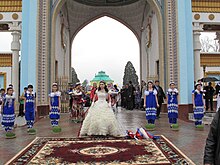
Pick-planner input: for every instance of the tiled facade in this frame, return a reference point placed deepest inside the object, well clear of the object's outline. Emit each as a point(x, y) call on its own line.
point(42, 54)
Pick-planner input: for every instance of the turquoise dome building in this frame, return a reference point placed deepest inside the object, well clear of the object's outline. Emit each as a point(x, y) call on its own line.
point(101, 76)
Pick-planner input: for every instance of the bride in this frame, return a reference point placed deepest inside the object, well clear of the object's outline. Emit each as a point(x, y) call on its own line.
point(100, 119)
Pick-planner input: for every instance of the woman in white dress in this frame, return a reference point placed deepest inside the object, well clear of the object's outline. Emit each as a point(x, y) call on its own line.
point(100, 119)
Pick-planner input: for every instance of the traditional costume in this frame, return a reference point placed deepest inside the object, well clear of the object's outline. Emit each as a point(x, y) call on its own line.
point(114, 99)
point(54, 111)
point(8, 115)
point(30, 109)
point(151, 106)
point(199, 106)
point(172, 105)
point(77, 108)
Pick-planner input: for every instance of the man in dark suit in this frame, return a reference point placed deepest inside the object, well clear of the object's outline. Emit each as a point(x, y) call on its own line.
point(130, 96)
point(160, 95)
point(209, 91)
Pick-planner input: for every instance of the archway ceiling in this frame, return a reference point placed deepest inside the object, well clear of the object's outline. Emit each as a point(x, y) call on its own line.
point(106, 2)
point(79, 15)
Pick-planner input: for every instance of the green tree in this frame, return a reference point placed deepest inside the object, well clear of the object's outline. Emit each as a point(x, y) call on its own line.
point(85, 83)
point(74, 76)
point(130, 74)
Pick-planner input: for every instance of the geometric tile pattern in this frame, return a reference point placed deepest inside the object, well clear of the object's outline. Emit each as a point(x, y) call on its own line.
point(172, 41)
point(42, 56)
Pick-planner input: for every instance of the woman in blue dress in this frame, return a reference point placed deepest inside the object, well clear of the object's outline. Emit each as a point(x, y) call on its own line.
point(172, 105)
point(55, 107)
point(29, 109)
point(8, 115)
point(150, 104)
point(198, 105)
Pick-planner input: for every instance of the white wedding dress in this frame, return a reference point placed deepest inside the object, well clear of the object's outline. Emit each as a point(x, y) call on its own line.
point(100, 119)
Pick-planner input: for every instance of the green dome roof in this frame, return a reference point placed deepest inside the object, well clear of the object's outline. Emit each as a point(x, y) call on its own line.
point(101, 76)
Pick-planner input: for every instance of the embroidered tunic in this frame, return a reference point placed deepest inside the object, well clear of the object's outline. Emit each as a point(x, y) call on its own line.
point(172, 103)
point(77, 108)
point(199, 106)
point(151, 105)
point(8, 117)
point(54, 102)
point(29, 108)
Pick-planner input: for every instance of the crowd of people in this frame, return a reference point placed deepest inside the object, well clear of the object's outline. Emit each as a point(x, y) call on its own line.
point(132, 97)
point(148, 97)
point(103, 101)
point(27, 108)
point(209, 93)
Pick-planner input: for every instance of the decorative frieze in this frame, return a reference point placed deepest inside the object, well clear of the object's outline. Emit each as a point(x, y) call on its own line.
point(172, 59)
point(10, 5)
point(42, 52)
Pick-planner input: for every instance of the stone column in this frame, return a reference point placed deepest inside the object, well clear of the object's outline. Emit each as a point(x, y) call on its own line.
point(197, 28)
point(15, 47)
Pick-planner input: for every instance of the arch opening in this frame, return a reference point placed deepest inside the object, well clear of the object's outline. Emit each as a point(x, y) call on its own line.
point(109, 44)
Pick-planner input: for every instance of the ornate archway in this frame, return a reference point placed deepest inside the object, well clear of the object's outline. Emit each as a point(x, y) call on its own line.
point(164, 29)
point(134, 15)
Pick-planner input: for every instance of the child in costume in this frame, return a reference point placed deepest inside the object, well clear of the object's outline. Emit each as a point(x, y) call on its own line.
point(8, 115)
point(172, 105)
point(150, 104)
point(29, 109)
point(55, 107)
point(77, 108)
point(198, 105)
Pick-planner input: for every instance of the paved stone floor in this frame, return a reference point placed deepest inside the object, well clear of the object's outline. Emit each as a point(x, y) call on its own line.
point(190, 141)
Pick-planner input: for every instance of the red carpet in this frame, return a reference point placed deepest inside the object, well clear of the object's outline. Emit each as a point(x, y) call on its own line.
point(100, 151)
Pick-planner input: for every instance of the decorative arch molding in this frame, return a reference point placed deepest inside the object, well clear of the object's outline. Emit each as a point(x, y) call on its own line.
point(107, 2)
point(107, 15)
point(152, 4)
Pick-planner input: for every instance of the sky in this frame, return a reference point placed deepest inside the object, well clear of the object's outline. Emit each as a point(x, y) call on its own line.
point(103, 45)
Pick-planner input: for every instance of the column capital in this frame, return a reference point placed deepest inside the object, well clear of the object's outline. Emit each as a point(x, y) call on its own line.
point(197, 27)
point(15, 26)
point(16, 33)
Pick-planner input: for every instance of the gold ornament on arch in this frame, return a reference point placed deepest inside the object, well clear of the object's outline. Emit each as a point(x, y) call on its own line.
point(15, 16)
point(197, 16)
point(211, 17)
